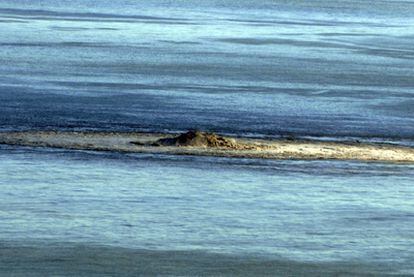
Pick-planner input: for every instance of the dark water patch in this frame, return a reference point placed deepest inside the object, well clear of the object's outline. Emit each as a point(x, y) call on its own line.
point(71, 29)
point(236, 90)
point(84, 44)
point(94, 260)
point(377, 216)
point(35, 109)
point(92, 17)
point(205, 89)
point(310, 23)
point(181, 42)
point(350, 34)
point(275, 41)
point(57, 44)
point(402, 108)
point(291, 42)
point(277, 22)
point(243, 68)
point(386, 41)
point(102, 20)
point(108, 85)
point(75, 29)
point(361, 49)
point(86, 15)
point(388, 53)
point(107, 29)
point(410, 37)
point(13, 21)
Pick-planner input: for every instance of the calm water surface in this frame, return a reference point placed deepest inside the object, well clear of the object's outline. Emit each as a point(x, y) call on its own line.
point(326, 69)
point(303, 212)
point(320, 68)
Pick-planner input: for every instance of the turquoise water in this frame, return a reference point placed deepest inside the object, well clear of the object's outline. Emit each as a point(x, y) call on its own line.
point(301, 211)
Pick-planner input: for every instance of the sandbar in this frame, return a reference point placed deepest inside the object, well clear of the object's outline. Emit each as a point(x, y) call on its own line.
point(208, 144)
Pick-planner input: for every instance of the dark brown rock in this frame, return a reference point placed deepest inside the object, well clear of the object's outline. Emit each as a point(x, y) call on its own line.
point(197, 139)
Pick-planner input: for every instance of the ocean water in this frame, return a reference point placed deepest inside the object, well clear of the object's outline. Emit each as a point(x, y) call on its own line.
point(321, 69)
point(265, 217)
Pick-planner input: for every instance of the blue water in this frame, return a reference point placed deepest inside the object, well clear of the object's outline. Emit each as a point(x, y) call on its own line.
point(326, 69)
point(330, 68)
point(302, 211)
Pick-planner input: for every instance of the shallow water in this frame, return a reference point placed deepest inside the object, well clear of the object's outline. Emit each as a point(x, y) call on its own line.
point(304, 212)
point(326, 69)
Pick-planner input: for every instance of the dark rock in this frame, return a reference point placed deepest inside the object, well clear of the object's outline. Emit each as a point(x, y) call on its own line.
point(197, 139)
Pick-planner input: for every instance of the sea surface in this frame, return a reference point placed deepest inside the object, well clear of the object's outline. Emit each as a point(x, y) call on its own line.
point(331, 70)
